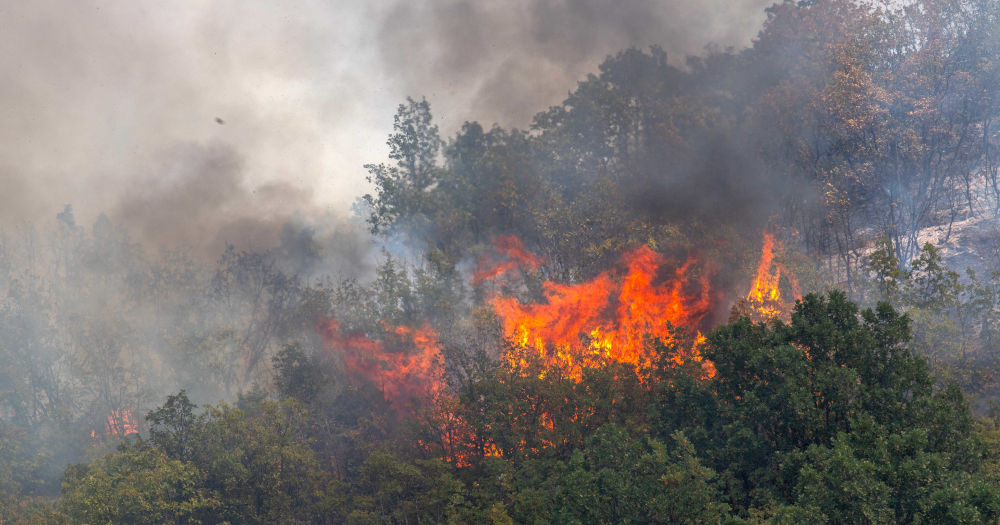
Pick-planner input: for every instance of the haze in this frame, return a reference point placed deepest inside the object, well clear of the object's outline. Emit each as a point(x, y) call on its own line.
point(204, 122)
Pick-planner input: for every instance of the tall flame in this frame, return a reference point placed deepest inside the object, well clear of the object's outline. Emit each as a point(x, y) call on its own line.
point(610, 317)
point(120, 423)
point(408, 369)
point(763, 301)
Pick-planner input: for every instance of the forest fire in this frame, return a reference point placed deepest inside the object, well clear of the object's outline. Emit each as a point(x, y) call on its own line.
point(611, 317)
point(236, 313)
point(763, 301)
point(119, 424)
point(406, 366)
point(512, 255)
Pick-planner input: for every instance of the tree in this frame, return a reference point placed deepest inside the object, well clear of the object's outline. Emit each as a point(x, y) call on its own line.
point(139, 484)
point(298, 375)
point(884, 265)
point(799, 409)
point(401, 188)
point(257, 295)
point(258, 464)
point(175, 428)
point(617, 478)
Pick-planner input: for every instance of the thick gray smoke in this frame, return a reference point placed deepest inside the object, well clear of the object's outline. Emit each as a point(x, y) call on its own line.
point(196, 191)
point(201, 123)
point(184, 120)
point(504, 61)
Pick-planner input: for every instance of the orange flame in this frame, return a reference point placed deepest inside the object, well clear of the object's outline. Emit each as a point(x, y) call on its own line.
point(610, 317)
point(408, 372)
point(508, 247)
point(120, 423)
point(763, 301)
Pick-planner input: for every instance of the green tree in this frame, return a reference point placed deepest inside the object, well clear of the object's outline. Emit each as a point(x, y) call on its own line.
point(139, 484)
point(175, 427)
point(401, 188)
point(885, 267)
point(298, 375)
point(617, 478)
point(258, 464)
point(782, 390)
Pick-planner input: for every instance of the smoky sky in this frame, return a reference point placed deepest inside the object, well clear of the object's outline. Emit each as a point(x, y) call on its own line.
point(505, 61)
point(203, 122)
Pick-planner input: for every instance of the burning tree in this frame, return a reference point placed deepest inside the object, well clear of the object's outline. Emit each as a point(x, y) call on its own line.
point(763, 302)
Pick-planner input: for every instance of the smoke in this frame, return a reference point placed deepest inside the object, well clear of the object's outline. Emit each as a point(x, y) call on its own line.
point(212, 122)
point(200, 193)
point(503, 61)
point(202, 124)
point(159, 113)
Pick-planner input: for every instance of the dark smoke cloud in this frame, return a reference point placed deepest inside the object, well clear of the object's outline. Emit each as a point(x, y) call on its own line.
point(200, 192)
point(717, 184)
point(504, 61)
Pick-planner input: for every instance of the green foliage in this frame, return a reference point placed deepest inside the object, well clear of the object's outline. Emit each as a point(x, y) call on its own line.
point(259, 463)
point(298, 375)
point(931, 284)
point(953, 316)
point(174, 426)
point(843, 488)
point(829, 418)
point(139, 484)
point(884, 265)
point(389, 490)
point(618, 479)
point(224, 465)
point(414, 147)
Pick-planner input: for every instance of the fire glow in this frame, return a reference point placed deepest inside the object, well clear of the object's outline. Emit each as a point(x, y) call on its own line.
point(612, 317)
point(407, 367)
point(511, 255)
point(763, 301)
point(119, 424)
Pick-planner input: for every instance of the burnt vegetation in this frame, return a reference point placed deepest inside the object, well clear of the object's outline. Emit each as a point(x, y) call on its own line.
point(339, 393)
